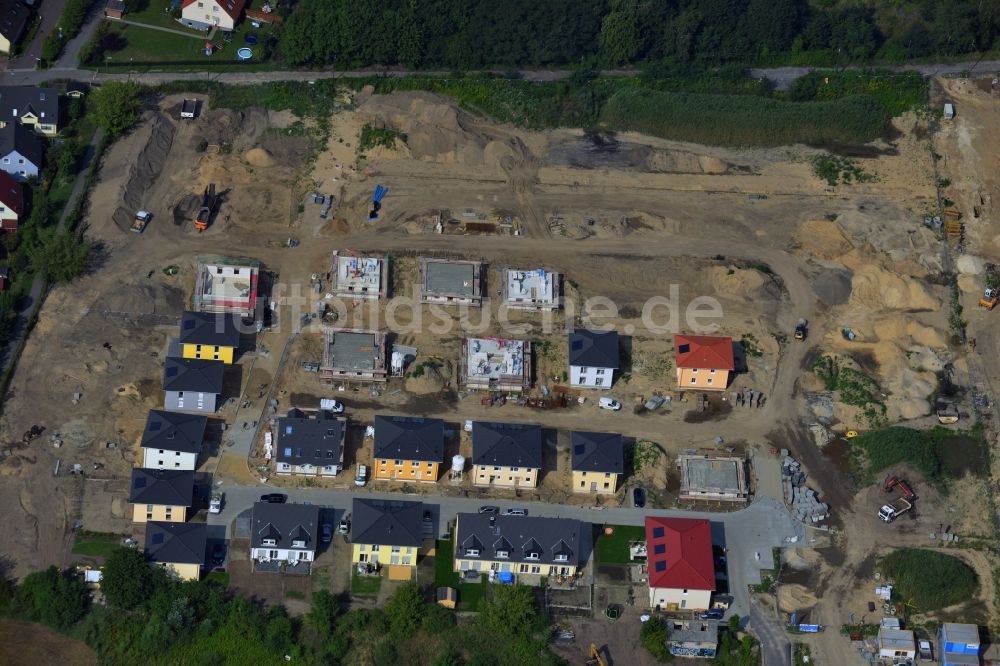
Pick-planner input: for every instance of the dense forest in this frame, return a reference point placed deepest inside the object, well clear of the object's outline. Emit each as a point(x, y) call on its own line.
point(469, 34)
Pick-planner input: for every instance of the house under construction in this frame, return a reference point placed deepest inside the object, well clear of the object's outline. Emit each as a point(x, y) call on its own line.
point(451, 281)
point(536, 289)
point(355, 276)
point(227, 285)
point(353, 355)
point(496, 364)
point(705, 477)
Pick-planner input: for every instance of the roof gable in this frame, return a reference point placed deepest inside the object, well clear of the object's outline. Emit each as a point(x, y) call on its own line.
point(507, 444)
point(231, 7)
point(547, 540)
point(594, 349)
point(704, 351)
point(172, 431)
point(176, 543)
point(193, 374)
point(11, 193)
point(318, 441)
point(680, 553)
point(406, 438)
point(284, 524)
point(597, 452)
point(163, 487)
point(387, 523)
point(209, 328)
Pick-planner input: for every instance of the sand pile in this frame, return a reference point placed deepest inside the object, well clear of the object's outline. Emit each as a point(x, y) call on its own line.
point(795, 598)
point(968, 264)
point(145, 169)
point(431, 381)
point(259, 157)
point(902, 328)
point(737, 282)
point(240, 128)
point(822, 238)
point(875, 288)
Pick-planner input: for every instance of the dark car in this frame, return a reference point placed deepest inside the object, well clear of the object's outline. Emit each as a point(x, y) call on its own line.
point(489, 508)
point(638, 498)
point(218, 553)
point(714, 614)
point(274, 498)
point(327, 533)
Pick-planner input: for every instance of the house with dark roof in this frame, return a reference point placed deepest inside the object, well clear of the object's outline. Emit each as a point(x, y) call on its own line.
point(178, 547)
point(192, 384)
point(208, 14)
point(593, 358)
point(519, 544)
point(506, 454)
point(598, 461)
point(30, 106)
point(172, 440)
point(209, 335)
point(681, 566)
point(703, 362)
point(310, 446)
point(14, 20)
point(11, 202)
point(21, 152)
point(283, 533)
point(161, 494)
point(386, 533)
point(408, 448)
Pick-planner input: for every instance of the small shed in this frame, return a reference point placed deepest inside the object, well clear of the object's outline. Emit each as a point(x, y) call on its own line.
point(447, 597)
point(949, 111)
point(115, 9)
point(76, 89)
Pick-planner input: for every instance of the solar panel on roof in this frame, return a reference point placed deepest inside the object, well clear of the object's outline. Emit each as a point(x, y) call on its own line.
point(660, 548)
point(657, 532)
point(660, 566)
point(189, 323)
point(172, 371)
point(288, 430)
point(155, 425)
point(157, 538)
point(139, 482)
point(578, 449)
point(684, 349)
point(577, 344)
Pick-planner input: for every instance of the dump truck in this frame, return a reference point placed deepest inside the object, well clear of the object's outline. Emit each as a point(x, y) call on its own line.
point(208, 201)
point(188, 108)
point(142, 218)
point(801, 329)
point(893, 510)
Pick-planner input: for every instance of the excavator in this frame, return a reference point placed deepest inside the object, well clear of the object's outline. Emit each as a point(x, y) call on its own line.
point(595, 658)
point(991, 293)
point(209, 199)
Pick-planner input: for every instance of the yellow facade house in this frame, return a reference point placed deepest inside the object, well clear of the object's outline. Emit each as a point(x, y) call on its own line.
point(212, 336)
point(386, 537)
point(514, 546)
point(408, 448)
point(598, 462)
point(161, 495)
point(506, 455)
point(177, 547)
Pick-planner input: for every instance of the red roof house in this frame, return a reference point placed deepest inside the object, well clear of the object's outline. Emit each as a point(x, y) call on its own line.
point(703, 361)
point(11, 202)
point(681, 566)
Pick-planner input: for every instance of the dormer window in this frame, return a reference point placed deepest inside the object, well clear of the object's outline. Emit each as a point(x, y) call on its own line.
point(298, 543)
point(269, 542)
point(503, 554)
point(561, 558)
point(531, 556)
point(472, 552)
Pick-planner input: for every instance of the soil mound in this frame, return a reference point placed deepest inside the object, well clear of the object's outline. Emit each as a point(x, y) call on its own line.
point(145, 170)
point(795, 598)
point(259, 157)
point(738, 282)
point(431, 381)
point(823, 238)
point(875, 288)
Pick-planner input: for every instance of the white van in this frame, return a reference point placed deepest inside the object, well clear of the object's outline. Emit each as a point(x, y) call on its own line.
point(609, 403)
point(362, 476)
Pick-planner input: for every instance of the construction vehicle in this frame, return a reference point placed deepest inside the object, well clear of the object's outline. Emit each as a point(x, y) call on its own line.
point(595, 658)
point(209, 199)
point(377, 197)
point(801, 329)
point(188, 108)
point(992, 293)
point(32, 433)
point(142, 218)
point(904, 487)
point(948, 414)
point(893, 510)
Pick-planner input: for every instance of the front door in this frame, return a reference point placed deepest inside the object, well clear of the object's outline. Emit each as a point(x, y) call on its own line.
point(593, 486)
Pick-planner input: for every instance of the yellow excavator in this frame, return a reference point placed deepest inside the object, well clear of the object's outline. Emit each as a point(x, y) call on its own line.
point(595, 657)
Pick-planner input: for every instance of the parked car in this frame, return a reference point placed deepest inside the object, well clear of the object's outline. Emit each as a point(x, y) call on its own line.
point(218, 554)
point(638, 498)
point(344, 527)
point(215, 503)
point(362, 476)
point(515, 512)
point(609, 403)
point(714, 614)
point(327, 533)
point(334, 406)
point(489, 508)
point(274, 498)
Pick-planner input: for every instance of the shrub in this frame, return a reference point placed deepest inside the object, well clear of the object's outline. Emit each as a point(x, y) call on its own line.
point(928, 579)
point(654, 635)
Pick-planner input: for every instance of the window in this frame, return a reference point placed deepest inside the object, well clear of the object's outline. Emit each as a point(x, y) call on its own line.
point(149, 507)
point(269, 542)
point(161, 450)
point(536, 569)
point(561, 558)
point(20, 161)
point(600, 372)
point(709, 380)
point(496, 469)
point(583, 483)
point(584, 368)
point(395, 549)
point(471, 552)
point(6, 160)
point(514, 469)
point(399, 463)
point(177, 464)
point(694, 380)
point(524, 568)
point(197, 348)
point(694, 371)
point(712, 371)
point(607, 475)
point(298, 543)
point(607, 485)
point(215, 8)
point(531, 556)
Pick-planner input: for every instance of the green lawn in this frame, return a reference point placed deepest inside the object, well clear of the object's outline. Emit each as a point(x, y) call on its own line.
point(365, 586)
point(156, 13)
point(613, 549)
point(220, 577)
point(470, 595)
point(96, 546)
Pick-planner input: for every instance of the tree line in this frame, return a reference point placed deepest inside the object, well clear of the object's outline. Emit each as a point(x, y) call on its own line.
point(466, 34)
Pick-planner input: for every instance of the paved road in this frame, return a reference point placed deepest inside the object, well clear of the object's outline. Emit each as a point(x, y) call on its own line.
point(746, 534)
point(50, 11)
point(775, 646)
point(33, 300)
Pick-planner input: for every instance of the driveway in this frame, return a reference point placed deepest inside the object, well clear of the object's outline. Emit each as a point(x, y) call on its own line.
point(50, 11)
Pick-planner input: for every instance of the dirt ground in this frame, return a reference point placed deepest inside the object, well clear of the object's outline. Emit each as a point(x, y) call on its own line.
point(625, 218)
point(26, 643)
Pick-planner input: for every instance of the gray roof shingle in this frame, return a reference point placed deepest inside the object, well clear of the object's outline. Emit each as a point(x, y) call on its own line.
point(409, 438)
point(593, 349)
point(506, 444)
point(284, 523)
point(386, 522)
point(16, 101)
point(171, 431)
point(519, 535)
point(597, 452)
point(318, 441)
point(14, 18)
point(16, 136)
point(164, 487)
point(209, 328)
point(193, 374)
point(176, 543)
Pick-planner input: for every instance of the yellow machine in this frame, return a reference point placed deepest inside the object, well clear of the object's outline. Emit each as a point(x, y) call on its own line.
point(595, 657)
